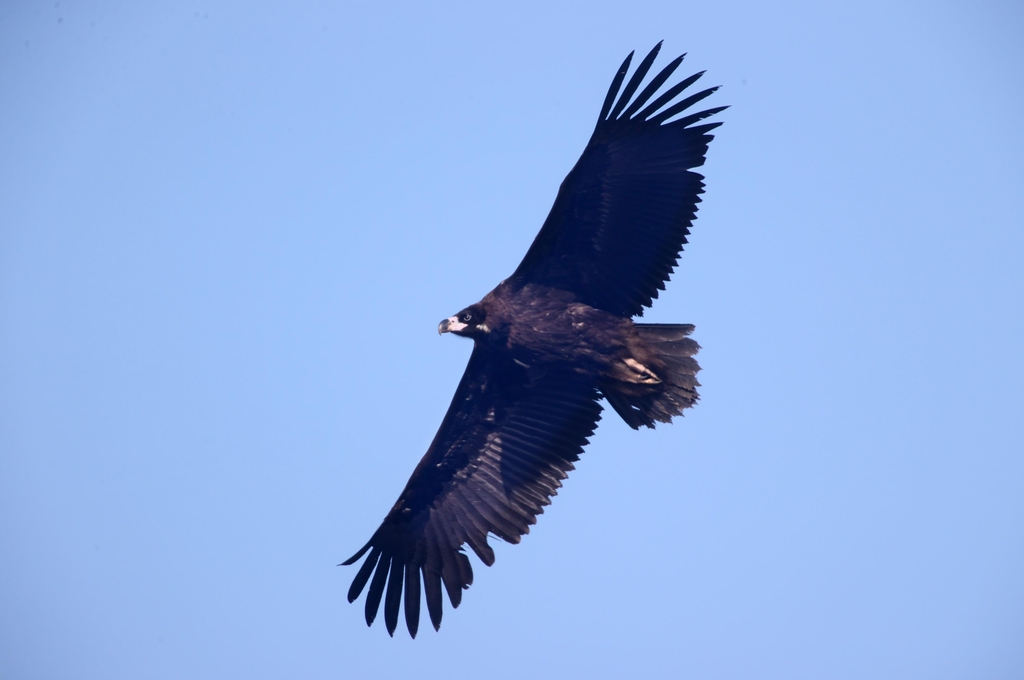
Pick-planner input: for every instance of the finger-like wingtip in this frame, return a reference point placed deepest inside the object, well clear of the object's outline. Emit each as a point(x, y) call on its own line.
point(634, 82)
point(614, 89)
point(393, 596)
point(652, 87)
point(412, 598)
point(352, 560)
point(363, 575)
point(680, 106)
point(376, 591)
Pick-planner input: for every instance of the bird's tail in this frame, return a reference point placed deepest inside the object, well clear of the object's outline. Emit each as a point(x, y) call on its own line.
point(672, 388)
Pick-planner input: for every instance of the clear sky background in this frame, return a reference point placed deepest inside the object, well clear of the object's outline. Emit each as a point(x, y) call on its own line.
point(228, 232)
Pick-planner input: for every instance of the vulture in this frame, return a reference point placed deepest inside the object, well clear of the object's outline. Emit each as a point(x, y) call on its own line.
point(549, 343)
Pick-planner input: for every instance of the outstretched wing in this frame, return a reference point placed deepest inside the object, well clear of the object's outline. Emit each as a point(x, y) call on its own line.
point(622, 214)
point(509, 438)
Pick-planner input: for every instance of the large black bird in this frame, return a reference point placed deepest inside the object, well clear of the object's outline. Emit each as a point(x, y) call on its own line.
point(548, 343)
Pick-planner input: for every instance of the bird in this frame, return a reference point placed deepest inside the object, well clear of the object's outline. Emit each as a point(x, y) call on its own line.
point(550, 342)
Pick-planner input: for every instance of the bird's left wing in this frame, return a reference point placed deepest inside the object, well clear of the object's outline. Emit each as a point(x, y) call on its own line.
point(509, 438)
point(624, 211)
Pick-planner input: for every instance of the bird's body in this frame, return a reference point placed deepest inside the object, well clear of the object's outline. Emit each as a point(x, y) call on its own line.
point(549, 342)
point(539, 325)
point(541, 328)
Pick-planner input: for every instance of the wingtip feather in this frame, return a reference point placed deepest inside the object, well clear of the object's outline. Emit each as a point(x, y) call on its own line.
point(614, 88)
point(634, 82)
point(412, 598)
point(393, 597)
point(376, 591)
point(681, 106)
point(653, 86)
point(362, 551)
point(363, 575)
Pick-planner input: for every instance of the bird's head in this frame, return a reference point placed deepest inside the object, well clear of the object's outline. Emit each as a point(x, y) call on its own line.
point(471, 322)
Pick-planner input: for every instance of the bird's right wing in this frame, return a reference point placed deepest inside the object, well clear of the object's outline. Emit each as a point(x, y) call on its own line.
point(509, 438)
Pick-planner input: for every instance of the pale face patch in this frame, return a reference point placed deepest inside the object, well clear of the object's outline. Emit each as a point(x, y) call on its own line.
point(451, 325)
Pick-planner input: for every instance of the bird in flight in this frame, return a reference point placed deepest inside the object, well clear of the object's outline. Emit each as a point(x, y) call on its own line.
point(549, 342)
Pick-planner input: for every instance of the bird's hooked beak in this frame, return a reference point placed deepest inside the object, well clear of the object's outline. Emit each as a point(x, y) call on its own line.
point(450, 325)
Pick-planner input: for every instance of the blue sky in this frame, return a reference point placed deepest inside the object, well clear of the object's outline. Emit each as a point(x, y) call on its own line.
point(228, 232)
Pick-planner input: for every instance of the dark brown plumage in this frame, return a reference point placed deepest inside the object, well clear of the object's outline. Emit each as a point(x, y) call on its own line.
point(549, 343)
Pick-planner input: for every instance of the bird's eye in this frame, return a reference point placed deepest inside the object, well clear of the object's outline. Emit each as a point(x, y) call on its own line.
point(466, 317)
